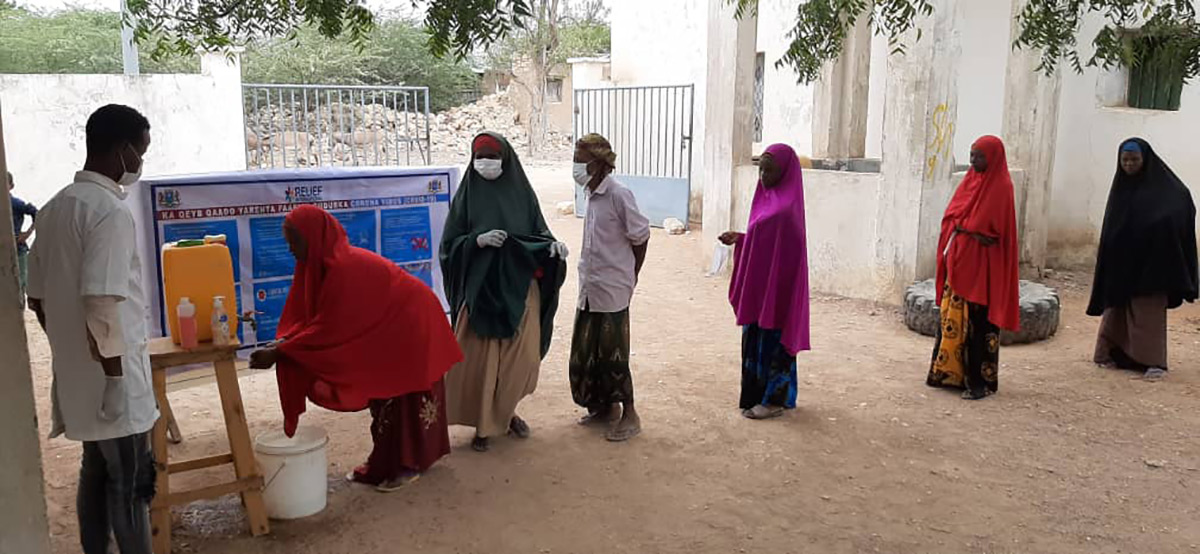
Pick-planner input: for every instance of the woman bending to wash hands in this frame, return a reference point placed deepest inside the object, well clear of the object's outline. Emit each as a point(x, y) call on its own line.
point(769, 290)
point(358, 332)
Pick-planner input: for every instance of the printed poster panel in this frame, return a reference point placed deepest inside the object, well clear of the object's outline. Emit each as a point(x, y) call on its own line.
point(398, 213)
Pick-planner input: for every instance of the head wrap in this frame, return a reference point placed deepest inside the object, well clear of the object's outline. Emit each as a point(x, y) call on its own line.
point(599, 148)
point(486, 142)
point(1148, 241)
point(1131, 146)
point(357, 326)
point(770, 274)
point(984, 275)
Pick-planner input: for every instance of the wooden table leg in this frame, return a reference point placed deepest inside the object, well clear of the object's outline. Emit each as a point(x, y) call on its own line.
point(160, 510)
point(238, 431)
point(173, 433)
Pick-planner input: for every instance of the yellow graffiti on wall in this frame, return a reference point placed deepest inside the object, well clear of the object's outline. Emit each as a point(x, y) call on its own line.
point(940, 145)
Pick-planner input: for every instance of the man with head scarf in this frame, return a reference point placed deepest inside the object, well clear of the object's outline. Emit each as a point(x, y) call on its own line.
point(358, 332)
point(1146, 262)
point(615, 238)
point(977, 282)
point(769, 290)
point(502, 269)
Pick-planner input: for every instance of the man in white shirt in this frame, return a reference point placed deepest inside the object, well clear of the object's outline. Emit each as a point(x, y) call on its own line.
point(85, 287)
point(615, 237)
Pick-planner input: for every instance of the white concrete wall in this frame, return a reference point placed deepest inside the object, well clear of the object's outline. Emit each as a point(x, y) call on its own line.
point(590, 74)
point(876, 95)
point(840, 224)
point(981, 72)
point(196, 122)
point(1089, 134)
point(664, 42)
point(23, 519)
point(787, 105)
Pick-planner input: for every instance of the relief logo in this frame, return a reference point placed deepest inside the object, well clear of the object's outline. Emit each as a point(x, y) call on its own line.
point(168, 199)
point(298, 193)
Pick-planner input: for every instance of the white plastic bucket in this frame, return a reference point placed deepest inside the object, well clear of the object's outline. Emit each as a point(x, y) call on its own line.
point(294, 472)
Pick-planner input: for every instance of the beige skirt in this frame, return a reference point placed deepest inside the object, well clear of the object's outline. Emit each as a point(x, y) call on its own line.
point(483, 390)
point(1134, 336)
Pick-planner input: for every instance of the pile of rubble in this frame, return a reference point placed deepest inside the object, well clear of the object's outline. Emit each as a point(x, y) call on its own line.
point(298, 135)
point(454, 129)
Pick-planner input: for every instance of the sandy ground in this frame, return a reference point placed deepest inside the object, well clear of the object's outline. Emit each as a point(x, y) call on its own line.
point(1067, 458)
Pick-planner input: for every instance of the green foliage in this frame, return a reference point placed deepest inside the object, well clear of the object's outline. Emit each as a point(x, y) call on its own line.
point(88, 41)
point(394, 54)
point(1048, 26)
point(577, 40)
point(181, 27)
point(1135, 30)
point(77, 41)
point(822, 26)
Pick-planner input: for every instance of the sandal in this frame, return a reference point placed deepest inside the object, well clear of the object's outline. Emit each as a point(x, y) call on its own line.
point(518, 427)
point(403, 480)
point(763, 412)
point(622, 436)
point(970, 395)
point(1154, 374)
point(480, 444)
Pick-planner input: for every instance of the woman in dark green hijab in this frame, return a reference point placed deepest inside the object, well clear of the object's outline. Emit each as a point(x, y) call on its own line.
point(502, 269)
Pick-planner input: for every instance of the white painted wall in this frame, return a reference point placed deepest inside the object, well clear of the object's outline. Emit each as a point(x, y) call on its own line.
point(787, 105)
point(981, 72)
point(841, 228)
point(1089, 134)
point(664, 42)
point(589, 73)
point(876, 95)
point(196, 122)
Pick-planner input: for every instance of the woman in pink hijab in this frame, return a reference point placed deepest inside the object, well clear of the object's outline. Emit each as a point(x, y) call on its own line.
point(769, 291)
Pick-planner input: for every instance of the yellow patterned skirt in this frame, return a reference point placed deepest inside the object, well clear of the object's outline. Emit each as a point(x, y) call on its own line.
point(967, 352)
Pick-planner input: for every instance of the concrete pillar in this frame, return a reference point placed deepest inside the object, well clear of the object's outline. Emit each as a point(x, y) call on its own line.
point(729, 104)
point(23, 524)
point(918, 140)
point(840, 99)
point(1030, 132)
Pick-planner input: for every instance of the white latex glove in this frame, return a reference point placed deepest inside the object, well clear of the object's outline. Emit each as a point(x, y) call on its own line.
point(493, 239)
point(112, 407)
point(559, 250)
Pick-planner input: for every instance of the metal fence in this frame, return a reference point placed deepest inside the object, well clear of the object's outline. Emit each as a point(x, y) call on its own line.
point(649, 127)
point(294, 126)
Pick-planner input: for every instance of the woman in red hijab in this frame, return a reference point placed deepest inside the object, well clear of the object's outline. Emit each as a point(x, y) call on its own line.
point(977, 275)
point(359, 332)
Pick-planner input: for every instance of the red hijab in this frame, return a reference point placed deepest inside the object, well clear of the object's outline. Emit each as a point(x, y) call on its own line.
point(983, 204)
point(357, 326)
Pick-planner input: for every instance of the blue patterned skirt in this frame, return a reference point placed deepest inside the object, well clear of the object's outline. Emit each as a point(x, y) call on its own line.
point(768, 372)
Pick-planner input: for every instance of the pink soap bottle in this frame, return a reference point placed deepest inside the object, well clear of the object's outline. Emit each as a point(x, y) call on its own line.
point(187, 323)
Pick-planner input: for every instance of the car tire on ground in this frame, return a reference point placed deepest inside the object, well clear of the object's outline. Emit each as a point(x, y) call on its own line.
point(1040, 312)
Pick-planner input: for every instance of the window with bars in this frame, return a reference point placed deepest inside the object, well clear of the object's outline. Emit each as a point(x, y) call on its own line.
point(1156, 81)
point(760, 71)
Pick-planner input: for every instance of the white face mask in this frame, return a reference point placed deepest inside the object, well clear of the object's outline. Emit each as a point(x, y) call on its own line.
point(580, 172)
point(127, 178)
point(489, 169)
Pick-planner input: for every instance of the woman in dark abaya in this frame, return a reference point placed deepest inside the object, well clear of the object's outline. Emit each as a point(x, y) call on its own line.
point(1146, 264)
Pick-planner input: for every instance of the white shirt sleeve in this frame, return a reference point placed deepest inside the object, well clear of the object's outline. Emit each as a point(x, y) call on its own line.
point(637, 225)
point(108, 248)
point(103, 317)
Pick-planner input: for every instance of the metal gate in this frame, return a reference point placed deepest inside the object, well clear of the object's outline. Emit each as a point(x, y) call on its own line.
point(650, 129)
point(320, 125)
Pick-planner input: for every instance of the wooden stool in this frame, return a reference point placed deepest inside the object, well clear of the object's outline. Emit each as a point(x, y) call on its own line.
point(166, 354)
